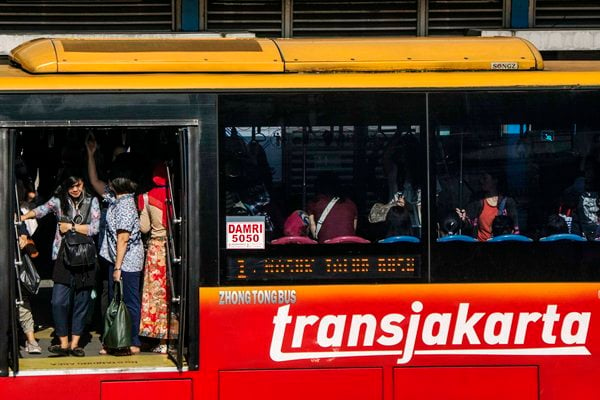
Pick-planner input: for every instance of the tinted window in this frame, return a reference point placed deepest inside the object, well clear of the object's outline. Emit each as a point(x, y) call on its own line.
point(286, 159)
point(520, 168)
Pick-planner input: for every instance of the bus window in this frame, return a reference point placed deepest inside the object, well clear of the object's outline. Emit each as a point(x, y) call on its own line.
point(322, 186)
point(519, 173)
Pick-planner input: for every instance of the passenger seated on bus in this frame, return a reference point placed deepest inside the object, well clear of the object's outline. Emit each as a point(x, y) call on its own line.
point(502, 225)
point(556, 225)
point(391, 219)
point(490, 203)
point(330, 213)
point(398, 221)
point(567, 207)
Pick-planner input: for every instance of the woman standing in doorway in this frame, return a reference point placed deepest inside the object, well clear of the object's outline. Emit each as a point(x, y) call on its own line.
point(153, 219)
point(122, 243)
point(77, 212)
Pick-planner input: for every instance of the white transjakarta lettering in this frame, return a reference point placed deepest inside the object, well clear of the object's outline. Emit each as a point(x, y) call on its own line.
point(361, 332)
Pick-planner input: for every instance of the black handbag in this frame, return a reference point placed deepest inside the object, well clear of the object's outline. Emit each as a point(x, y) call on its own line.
point(28, 275)
point(79, 250)
point(117, 322)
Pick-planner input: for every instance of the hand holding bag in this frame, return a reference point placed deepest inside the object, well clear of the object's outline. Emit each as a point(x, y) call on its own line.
point(117, 322)
point(379, 212)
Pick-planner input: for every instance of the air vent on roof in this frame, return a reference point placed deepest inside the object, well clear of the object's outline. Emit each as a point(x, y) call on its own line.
point(455, 17)
point(567, 14)
point(354, 18)
point(262, 17)
point(86, 15)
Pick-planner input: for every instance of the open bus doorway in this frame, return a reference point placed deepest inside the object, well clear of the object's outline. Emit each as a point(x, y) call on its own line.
point(43, 157)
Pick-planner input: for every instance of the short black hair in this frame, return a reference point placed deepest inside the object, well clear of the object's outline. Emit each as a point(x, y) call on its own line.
point(556, 224)
point(122, 177)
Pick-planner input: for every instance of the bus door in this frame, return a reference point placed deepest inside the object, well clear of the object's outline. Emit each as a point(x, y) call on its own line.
point(9, 349)
point(169, 144)
point(176, 270)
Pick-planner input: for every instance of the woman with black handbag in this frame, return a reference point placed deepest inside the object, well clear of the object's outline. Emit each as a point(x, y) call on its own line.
point(74, 255)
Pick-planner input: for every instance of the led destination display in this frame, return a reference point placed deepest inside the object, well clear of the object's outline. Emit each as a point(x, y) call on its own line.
point(315, 267)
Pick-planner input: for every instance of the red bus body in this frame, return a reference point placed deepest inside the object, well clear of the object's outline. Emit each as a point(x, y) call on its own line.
point(492, 341)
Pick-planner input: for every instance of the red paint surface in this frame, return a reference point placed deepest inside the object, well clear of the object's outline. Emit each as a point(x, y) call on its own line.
point(236, 342)
point(180, 389)
point(466, 383)
point(302, 384)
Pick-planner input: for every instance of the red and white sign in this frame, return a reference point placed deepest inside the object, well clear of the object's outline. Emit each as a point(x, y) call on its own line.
point(552, 327)
point(245, 232)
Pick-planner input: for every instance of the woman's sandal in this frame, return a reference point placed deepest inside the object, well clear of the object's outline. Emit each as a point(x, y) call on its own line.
point(103, 352)
point(133, 350)
point(59, 351)
point(77, 352)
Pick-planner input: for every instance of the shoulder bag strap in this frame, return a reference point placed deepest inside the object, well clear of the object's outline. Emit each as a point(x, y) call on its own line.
point(86, 208)
point(324, 214)
point(502, 206)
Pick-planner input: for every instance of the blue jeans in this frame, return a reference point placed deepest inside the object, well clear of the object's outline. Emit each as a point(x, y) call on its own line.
point(61, 304)
point(131, 297)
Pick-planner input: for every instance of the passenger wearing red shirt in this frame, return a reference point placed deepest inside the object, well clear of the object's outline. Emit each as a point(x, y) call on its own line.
point(481, 213)
point(341, 219)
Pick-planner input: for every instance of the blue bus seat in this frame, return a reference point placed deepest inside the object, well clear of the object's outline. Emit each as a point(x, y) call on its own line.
point(401, 239)
point(346, 239)
point(456, 238)
point(510, 238)
point(293, 240)
point(563, 236)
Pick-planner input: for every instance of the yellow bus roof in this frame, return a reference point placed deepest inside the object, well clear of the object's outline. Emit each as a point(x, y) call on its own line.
point(556, 75)
point(286, 64)
point(129, 55)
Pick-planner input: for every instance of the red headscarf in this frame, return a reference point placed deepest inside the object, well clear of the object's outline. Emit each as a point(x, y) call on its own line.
point(157, 196)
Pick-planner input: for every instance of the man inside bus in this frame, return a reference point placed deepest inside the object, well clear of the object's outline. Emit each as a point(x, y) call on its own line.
point(491, 202)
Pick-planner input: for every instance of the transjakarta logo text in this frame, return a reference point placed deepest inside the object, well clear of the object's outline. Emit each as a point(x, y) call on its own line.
point(298, 337)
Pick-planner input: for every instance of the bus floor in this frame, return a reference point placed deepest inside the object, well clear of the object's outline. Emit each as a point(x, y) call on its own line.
point(93, 361)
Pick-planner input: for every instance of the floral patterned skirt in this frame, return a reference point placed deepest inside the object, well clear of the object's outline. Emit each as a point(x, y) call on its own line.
point(155, 309)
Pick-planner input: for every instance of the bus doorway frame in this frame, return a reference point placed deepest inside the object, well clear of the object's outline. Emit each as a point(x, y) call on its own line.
point(188, 130)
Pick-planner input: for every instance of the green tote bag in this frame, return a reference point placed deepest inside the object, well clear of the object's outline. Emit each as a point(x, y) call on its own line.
point(117, 322)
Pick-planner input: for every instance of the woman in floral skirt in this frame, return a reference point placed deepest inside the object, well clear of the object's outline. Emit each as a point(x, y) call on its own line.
point(153, 219)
